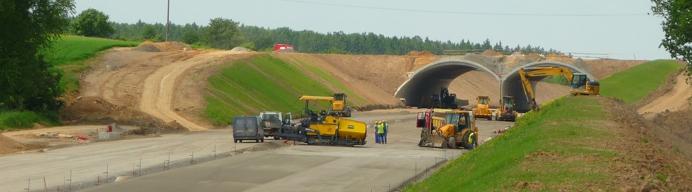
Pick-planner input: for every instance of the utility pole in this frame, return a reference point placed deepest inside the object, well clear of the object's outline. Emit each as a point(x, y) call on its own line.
point(168, 20)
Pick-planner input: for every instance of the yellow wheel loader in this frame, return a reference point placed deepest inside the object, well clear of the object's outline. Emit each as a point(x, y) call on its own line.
point(482, 109)
point(447, 128)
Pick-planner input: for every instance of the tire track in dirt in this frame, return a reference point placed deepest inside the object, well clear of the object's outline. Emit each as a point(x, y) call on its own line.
point(159, 88)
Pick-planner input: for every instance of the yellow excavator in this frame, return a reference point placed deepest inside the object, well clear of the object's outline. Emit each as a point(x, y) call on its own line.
point(580, 83)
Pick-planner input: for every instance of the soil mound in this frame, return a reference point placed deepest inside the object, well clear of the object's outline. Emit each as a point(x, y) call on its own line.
point(240, 50)
point(148, 46)
point(492, 53)
point(100, 111)
point(8, 145)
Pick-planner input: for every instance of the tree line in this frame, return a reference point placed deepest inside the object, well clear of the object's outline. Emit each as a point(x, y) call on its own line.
point(261, 38)
point(225, 34)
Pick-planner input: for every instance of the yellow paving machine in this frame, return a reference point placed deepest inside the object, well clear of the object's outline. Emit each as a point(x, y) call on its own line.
point(326, 127)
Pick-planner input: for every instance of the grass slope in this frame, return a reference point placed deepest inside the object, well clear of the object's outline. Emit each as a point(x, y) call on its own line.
point(70, 52)
point(257, 84)
point(636, 83)
point(568, 131)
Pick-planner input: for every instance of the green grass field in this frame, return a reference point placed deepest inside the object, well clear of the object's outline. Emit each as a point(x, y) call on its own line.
point(257, 84)
point(636, 83)
point(70, 52)
point(568, 132)
point(12, 120)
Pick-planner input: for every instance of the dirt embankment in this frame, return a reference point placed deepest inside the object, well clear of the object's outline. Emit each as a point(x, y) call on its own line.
point(676, 95)
point(139, 86)
point(669, 111)
point(376, 78)
point(602, 68)
point(651, 161)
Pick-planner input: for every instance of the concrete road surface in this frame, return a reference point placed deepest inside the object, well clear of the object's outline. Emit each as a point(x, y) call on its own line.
point(90, 163)
point(373, 167)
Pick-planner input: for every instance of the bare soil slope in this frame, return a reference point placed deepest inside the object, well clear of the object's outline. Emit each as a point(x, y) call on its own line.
point(140, 84)
point(374, 77)
point(678, 98)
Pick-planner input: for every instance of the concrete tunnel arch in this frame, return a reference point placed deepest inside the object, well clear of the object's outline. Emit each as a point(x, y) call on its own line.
point(428, 80)
point(511, 82)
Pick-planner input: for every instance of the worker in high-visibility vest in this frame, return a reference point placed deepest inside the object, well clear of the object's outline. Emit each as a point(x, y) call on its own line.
point(385, 124)
point(380, 132)
point(377, 137)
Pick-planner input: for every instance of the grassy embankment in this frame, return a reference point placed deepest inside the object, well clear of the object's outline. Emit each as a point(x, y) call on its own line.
point(262, 83)
point(69, 55)
point(561, 147)
point(639, 81)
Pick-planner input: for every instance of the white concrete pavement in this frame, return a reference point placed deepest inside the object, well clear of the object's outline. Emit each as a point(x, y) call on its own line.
point(88, 163)
point(373, 167)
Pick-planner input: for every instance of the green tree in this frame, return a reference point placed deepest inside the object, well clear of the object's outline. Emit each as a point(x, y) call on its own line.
point(92, 23)
point(149, 32)
point(26, 80)
point(222, 33)
point(677, 24)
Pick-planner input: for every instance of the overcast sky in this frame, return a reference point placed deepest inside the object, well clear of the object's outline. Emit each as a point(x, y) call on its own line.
point(619, 28)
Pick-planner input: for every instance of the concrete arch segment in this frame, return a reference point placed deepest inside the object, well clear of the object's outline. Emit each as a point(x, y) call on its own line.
point(429, 79)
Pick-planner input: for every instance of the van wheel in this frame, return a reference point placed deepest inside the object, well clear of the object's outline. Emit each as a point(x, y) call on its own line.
point(262, 140)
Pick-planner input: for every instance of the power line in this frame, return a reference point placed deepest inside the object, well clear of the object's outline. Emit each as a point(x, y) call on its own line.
point(464, 12)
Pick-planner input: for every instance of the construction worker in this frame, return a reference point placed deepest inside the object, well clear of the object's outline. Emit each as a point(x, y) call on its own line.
point(380, 131)
point(375, 127)
point(385, 124)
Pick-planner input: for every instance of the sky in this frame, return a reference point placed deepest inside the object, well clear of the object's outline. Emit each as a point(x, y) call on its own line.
point(622, 29)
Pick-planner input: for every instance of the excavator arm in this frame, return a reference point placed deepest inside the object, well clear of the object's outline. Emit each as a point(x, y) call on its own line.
point(526, 73)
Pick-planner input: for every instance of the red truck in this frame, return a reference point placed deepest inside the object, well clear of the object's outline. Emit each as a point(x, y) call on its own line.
point(281, 47)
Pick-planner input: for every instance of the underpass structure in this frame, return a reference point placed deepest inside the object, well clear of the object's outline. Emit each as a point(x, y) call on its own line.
point(429, 79)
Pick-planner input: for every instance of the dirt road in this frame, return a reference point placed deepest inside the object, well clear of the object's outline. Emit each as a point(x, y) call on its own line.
point(373, 167)
point(160, 87)
point(679, 98)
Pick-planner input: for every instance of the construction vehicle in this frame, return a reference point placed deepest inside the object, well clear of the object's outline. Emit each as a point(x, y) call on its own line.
point(324, 127)
point(482, 109)
point(339, 107)
point(444, 100)
point(506, 112)
point(270, 122)
point(337, 103)
point(247, 128)
point(579, 82)
point(447, 128)
point(330, 127)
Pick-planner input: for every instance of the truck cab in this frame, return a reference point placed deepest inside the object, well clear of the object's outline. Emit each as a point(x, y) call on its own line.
point(270, 122)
